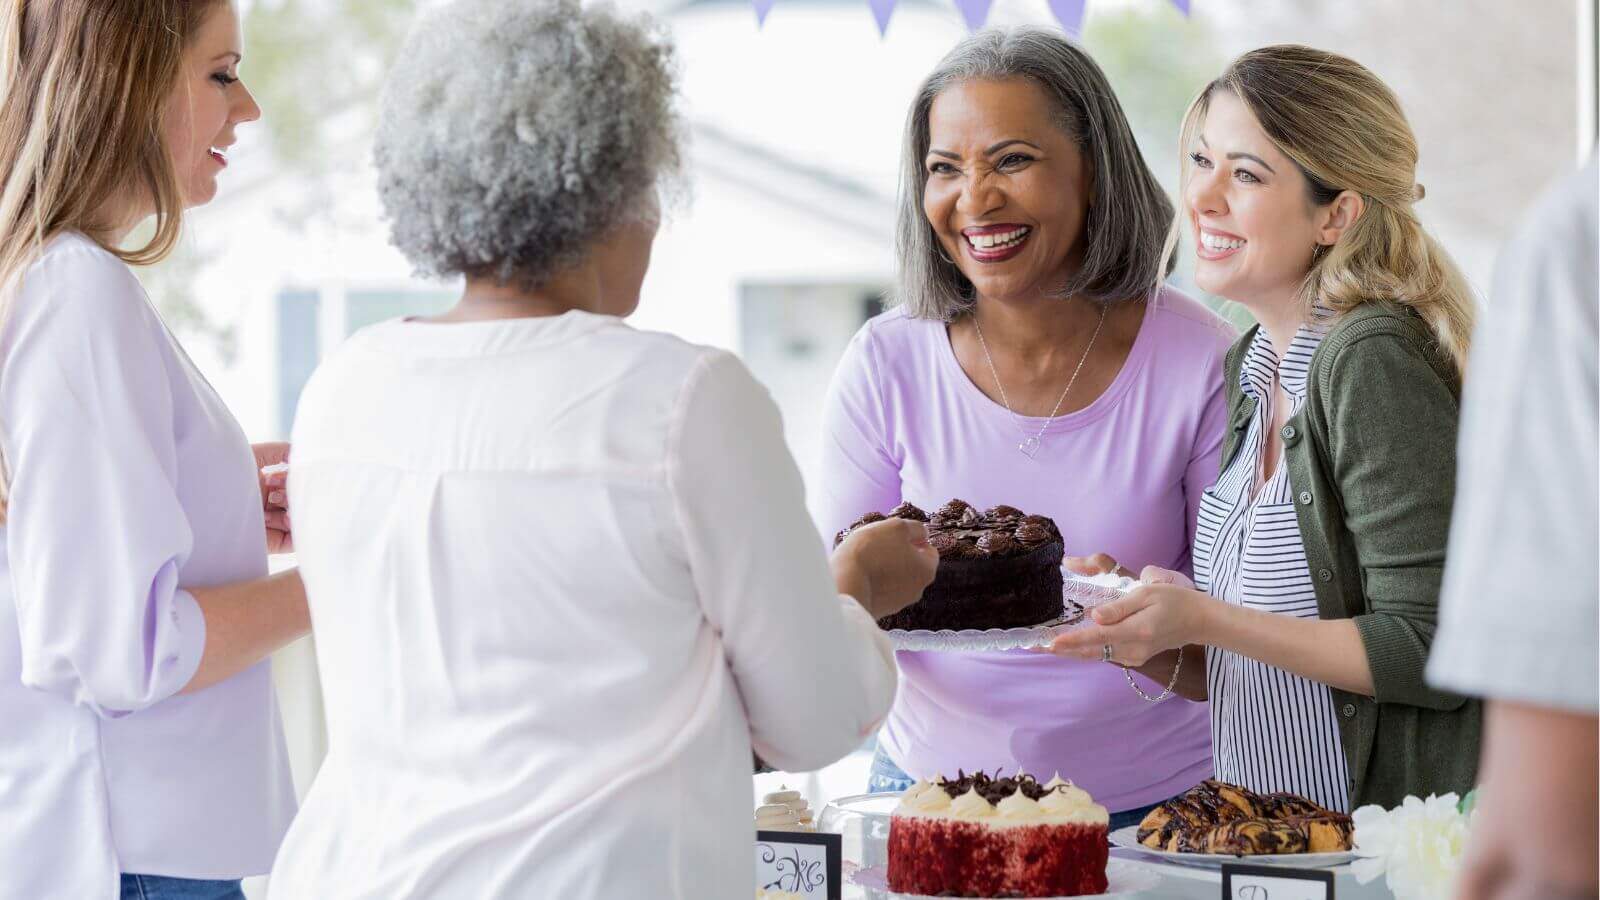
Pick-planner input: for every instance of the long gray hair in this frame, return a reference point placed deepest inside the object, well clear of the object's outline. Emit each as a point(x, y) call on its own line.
point(1128, 211)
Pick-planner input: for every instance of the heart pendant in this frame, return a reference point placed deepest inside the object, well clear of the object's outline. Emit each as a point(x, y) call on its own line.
point(1029, 447)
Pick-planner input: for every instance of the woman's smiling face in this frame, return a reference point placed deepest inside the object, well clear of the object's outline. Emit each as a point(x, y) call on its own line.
point(207, 103)
point(1254, 225)
point(1007, 191)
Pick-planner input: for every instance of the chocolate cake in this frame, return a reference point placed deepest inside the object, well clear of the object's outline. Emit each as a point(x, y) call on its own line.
point(999, 568)
point(978, 836)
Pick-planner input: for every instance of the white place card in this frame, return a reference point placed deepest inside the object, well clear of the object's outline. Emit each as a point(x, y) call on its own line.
point(800, 862)
point(1242, 882)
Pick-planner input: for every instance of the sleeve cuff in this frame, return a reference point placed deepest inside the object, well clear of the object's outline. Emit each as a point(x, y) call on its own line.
point(889, 683)
point(1396, 656)
point(1501, 667)
point(184, 654)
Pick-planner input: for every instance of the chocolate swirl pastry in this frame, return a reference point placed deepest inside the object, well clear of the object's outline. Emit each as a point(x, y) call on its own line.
point(1217, 817)
point(1000, 568)
point(1328, 831)
point(1256, 837)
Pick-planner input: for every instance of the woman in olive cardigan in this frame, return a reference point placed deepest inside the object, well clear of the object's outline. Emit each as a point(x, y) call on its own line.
point(1319, 550)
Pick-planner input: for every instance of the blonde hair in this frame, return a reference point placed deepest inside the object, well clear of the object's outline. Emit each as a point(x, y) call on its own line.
point(83, 96)
point(1345, 130)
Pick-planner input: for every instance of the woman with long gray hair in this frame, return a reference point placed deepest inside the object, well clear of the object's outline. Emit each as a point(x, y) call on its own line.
point(561, 571)
point(1035, 360)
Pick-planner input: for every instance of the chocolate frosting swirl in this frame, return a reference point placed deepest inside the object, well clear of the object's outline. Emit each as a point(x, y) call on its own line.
point(996, 788)
point(997, 543)
point(1032, 534)
point(908, 511)
point(959, 531)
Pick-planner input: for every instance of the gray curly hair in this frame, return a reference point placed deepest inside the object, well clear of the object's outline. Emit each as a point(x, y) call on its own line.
point(513, 133)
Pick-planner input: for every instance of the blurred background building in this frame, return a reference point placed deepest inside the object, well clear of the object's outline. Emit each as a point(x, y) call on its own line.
point(786, 244)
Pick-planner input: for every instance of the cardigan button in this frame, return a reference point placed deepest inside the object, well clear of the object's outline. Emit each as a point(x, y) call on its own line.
point(1325, 574)
point(1289, 433)
point(1349, 710)
point(1305, 498)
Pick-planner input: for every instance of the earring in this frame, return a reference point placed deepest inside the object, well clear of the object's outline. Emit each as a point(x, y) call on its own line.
point(940, 249)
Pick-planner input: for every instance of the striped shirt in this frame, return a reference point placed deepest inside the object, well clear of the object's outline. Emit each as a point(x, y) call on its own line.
point(1271, 730)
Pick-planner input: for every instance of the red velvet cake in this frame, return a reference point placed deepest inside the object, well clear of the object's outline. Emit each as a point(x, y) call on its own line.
point(998, 837)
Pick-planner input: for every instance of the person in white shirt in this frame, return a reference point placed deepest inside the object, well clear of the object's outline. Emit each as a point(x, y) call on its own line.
point(1519, 619)
point(560, 570)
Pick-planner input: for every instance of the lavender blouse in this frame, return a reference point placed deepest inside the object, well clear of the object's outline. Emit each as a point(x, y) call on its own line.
point(130, 482)
point(1123, 476)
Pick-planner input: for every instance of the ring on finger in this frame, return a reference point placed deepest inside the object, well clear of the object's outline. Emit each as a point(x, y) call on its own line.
point(1105, 653)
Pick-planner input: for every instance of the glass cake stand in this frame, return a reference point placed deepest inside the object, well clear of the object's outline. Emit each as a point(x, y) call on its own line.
point(862, 821)
point(1079, 594)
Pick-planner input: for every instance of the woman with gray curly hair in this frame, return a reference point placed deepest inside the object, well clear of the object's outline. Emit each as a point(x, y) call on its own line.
point(1037, 361)
point(560, 570)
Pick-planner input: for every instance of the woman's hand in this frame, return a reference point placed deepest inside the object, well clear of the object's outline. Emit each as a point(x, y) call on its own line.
point(275, 495)
point(885, 565)
point(1163, 613)
point(1098, 564)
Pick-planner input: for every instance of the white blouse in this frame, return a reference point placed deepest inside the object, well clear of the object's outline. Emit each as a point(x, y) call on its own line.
point(130, 484)
point(562, 581)
point(1271, 730)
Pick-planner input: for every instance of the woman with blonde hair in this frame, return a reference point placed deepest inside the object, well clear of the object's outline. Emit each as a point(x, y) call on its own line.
point(142, 755)
point(1319, 549)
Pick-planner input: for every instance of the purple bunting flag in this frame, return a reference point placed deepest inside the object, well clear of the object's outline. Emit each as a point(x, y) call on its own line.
point(762, 8)
point(881, 11)
point(1070, 14)
point(976, 12)
point(1182, 5)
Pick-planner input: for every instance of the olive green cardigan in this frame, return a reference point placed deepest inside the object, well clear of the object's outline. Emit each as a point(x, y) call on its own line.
point(1372, 460)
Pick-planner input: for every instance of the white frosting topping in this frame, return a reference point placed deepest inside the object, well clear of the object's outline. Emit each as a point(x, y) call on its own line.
point(1063, 803)
point(932, 800)
point(1073, 804)
point(1018, 806)
point(971, 805)
point(778, 817)
point(784, 810)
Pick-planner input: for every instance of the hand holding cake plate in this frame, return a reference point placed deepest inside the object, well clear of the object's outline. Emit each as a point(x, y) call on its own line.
point(1000, 584)
point(1079, 594)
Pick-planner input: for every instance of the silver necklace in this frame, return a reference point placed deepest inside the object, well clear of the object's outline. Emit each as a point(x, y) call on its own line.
point(1031, 442)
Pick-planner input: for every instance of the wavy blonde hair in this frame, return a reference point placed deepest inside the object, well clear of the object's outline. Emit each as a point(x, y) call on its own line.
point(84, 86)
point(1345, 130)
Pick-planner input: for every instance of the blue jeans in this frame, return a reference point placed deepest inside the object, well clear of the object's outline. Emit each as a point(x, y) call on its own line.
point(886, 777)
point(160, 887)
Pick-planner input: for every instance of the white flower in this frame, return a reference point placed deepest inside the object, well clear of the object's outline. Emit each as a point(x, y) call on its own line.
point(1418, 846)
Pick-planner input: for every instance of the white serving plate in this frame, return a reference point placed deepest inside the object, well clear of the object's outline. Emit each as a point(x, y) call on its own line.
point(1079, 594)
point(1128, 839)
point(1123, 878)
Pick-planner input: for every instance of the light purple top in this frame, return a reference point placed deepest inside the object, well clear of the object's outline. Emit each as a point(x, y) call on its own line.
point(1123, 476)
point(129, 482)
